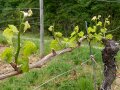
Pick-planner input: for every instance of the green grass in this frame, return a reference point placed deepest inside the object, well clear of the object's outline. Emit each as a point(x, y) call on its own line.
point(79, 78)
point(81, 81)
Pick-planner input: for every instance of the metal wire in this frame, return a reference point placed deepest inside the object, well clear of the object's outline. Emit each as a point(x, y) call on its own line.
point(60, 75)
point(113, 29)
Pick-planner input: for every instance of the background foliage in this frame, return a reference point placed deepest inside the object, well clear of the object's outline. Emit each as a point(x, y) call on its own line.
point(64, 14)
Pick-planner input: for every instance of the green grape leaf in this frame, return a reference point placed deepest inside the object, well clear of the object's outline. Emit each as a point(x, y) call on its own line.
point(90, 29)
point(98, 37)
point(26, 26)
point(8, 33)
point(72, 39)
point(94, 29)
point(81, 34)
point(99, 23)
point(51, 28)
point(76, 29)
point(94, 18)
point(28, 48)
point(66, 39)
point(90, 36)
point(72, 44)
point(13, 28)
point(24, 64)
point(55, 45)
point(73, 33)
point(58, 34)
point(99, 16)
point(27, 14)
point(108, 22)
point(109, 36)
point(30, 13)
point(7, 55)
point(65, 42)
point(103, 30)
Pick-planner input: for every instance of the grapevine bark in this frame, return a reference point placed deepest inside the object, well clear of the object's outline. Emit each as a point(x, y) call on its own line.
point(108, 57)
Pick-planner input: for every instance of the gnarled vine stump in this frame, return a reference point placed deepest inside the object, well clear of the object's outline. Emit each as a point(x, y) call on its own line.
point(108, 57)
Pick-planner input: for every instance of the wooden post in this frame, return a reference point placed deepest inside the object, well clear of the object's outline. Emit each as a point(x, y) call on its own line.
point(41, 29)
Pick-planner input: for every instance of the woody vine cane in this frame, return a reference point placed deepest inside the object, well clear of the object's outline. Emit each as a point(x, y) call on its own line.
point(108, 58)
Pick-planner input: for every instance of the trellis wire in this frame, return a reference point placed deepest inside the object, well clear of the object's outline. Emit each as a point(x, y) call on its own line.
point(60, 75)
point(77, 67)
point(18, 19)
point(113, 29)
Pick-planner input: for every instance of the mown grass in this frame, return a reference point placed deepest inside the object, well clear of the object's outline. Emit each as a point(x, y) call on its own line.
point(77, 76)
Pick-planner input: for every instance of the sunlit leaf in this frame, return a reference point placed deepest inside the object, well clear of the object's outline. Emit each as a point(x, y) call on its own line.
point(90, 29)
point(109, 16)
point(8, 34)
point(76, 29)
point(30, 13)
point(90, 36)
point(66, 39)
point(94, 29)
point(108, 22)
point(109, 36)
point(28, 48)
point(103, 30)
point(72, 39)
point(51, 28)
point(81, 34)
point(99, 16)
point(55, 45)
point(24, 64)
point(26, 26)
point(99, 23)
point(98, 37)
point(73, 33)
point(72, 44)
point(7, 55)
point(94, 18)
point(13, 28)
point(58, 34)
point(26, 14)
